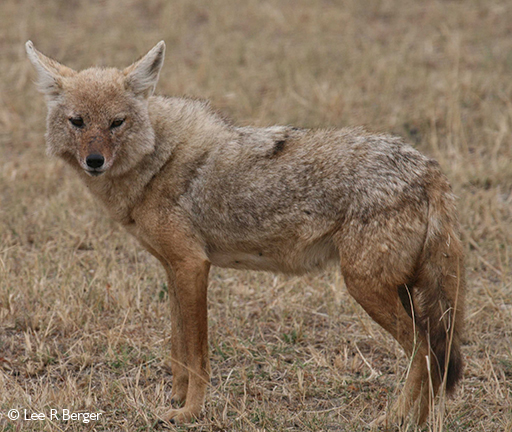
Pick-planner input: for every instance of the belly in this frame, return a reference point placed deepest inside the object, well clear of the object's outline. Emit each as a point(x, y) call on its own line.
point(244, 260)
point(294, 259)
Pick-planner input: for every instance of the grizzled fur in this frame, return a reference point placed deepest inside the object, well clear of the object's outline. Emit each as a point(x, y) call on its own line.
point(196, 190)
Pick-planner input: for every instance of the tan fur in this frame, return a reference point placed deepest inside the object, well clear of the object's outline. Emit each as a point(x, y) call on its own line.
point(196, 190)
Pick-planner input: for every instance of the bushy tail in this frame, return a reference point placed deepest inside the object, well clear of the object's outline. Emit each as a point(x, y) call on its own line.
point(439, 288)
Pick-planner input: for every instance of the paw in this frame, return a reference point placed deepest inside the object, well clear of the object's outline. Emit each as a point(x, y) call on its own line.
point(181, 415)
point(379, 422)
point(387, 422)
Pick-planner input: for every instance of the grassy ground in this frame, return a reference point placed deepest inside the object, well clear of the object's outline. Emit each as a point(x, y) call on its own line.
point(84, 320)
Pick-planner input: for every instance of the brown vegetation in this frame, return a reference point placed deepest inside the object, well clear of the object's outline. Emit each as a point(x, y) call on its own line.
point(84, 319)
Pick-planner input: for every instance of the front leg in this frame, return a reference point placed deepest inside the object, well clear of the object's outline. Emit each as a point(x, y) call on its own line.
point(187, 286)
point(189, 336)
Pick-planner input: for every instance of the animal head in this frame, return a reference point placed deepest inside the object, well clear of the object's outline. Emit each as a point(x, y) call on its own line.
point(98, 118)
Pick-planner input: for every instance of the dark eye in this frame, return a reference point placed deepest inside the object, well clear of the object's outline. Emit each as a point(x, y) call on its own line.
point(116, 123)
point(77, 121)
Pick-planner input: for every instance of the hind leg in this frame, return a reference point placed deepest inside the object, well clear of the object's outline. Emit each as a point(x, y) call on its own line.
point(382, 302)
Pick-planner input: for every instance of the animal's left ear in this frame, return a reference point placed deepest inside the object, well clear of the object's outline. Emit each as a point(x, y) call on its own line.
point(142, 76)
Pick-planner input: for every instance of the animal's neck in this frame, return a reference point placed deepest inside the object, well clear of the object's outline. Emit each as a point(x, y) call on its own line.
point(184, 130)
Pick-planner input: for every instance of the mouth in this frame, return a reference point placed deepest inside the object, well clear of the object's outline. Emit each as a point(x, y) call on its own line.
point(94, 172)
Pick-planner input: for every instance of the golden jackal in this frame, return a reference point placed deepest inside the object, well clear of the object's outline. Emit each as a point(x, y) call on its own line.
point(196, 190)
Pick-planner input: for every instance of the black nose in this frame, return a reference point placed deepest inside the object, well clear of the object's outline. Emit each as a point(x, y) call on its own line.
point(95, 160)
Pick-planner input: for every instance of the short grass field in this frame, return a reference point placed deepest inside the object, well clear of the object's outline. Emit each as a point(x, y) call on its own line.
point(84, 314)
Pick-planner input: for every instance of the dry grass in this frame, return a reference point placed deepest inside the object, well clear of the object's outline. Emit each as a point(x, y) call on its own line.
point(84, 321)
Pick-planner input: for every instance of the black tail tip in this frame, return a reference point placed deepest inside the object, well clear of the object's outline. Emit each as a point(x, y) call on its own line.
point(454, 371)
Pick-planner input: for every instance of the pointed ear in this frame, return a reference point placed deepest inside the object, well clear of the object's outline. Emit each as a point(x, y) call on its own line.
point(142, 76)
point(50, 72)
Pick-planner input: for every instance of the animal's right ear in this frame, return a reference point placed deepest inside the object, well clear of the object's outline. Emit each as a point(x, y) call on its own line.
point(50, 73)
